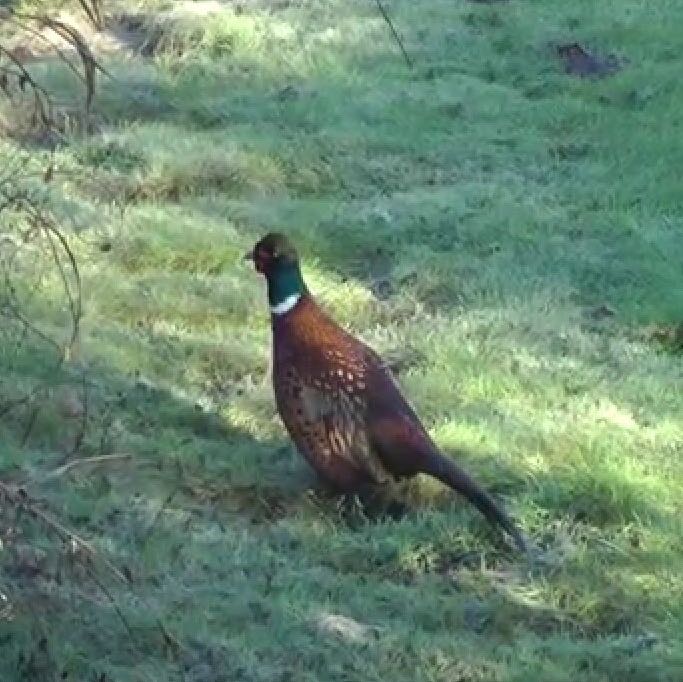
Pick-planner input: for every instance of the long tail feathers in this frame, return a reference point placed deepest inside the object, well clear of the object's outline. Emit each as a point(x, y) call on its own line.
point(447, 471)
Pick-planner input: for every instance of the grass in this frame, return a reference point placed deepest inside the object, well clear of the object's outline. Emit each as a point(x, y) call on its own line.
point(509, 236)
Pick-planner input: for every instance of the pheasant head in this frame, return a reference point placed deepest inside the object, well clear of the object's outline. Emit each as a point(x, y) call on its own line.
point(275, 257)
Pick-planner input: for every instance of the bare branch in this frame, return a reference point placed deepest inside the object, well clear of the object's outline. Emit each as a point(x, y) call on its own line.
point(20, 76)
point(86, 461)
point(20, 499)
point(41, 99)
point(394, 32)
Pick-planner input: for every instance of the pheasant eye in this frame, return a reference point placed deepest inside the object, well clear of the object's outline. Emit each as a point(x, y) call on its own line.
point(263, 254)
point(262, 259)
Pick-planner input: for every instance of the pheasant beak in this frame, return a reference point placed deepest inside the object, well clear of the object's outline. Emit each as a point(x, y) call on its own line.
point(251, 257)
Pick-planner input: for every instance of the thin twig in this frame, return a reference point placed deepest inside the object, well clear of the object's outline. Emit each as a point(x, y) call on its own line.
point(13, 404)
point(90, 64)
point(30, 423)
point(42, 103)
point(75, 38)
point(85, 416)
point(117, 610)
point(75, 300)
point(386, 17)
point(171, 641)
point(105, 591)
point(41, 36)
point(85, 461)
point(29, 326)
point(157, 515)
point(50, 230)
point(20, 499)
point(42, 107)
point(93, 12)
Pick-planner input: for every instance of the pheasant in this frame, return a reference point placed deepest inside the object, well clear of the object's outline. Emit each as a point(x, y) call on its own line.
point(339, 401)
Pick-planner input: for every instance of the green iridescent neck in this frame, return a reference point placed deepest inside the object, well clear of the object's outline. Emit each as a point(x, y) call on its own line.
point(284, 283)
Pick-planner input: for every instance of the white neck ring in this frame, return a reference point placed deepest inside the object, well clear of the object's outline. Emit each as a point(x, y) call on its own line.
point(286, 305)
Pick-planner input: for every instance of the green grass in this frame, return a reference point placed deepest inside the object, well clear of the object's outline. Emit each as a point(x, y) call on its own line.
point(469, 219)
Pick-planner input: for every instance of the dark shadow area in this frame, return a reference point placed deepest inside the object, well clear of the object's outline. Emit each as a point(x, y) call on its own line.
point(579, 62)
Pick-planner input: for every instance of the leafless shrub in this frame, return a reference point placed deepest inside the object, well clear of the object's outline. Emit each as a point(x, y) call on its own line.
point(19, 85)
point(36, 256)
point(34, 253)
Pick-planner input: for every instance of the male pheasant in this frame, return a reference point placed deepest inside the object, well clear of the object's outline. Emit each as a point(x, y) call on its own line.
point(339, 401)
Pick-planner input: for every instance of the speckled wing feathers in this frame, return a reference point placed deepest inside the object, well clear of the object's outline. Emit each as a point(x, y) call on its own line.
point(327, 422)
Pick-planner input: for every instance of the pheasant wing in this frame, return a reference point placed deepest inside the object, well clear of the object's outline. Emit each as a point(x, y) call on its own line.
point(328, 426)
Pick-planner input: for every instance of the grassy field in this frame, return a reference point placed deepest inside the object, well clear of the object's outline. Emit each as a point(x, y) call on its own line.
point(510, 236)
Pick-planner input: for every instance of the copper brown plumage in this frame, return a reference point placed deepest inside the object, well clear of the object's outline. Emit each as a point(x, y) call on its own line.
point(340, 402)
